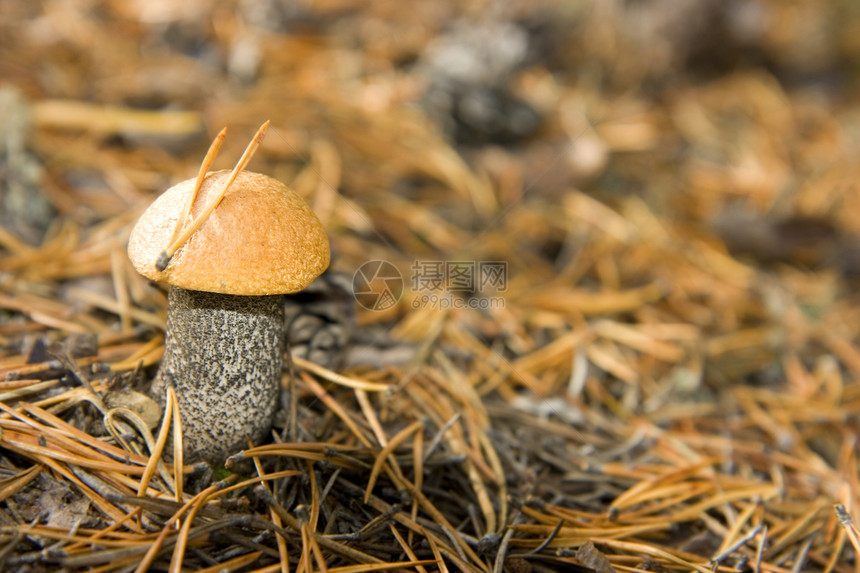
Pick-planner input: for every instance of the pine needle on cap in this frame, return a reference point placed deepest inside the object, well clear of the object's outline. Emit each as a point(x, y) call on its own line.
point(167, 254)
point(211, 154)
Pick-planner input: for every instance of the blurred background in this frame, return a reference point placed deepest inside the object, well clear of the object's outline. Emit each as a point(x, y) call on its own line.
point(594, 144)
point(671, 184)
point(700, 155)
point(697, 157)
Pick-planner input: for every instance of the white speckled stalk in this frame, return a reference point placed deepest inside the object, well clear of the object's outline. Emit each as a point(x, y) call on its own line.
point(223, 355)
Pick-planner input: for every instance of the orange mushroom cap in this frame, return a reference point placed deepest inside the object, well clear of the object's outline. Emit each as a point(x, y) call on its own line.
point(262, 239)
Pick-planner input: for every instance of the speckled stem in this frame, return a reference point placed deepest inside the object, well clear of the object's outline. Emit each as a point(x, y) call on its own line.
point(223, 354)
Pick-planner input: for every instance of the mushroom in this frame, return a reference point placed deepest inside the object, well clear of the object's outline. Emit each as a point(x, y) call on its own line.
point(224, 342)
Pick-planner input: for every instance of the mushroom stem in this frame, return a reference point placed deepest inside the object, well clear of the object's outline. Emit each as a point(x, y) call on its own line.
point(223, 355)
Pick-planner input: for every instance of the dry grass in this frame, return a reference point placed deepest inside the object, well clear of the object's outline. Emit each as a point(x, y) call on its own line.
point(671, 384)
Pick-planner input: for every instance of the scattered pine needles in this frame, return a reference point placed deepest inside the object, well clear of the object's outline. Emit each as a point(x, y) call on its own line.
point(667, 379)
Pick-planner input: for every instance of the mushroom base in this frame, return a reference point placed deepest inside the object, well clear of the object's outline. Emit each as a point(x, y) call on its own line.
point(223, 355)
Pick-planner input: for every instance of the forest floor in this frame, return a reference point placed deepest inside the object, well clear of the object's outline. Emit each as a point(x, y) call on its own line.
point(592, 303)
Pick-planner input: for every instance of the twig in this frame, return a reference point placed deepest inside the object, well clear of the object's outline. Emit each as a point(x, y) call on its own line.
point(329, 544)
point(338, 378)
point(177, 442)
point(437, 438)
point(387, 451)
point(545, 543)
point(155, 453)
point(737, 545)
